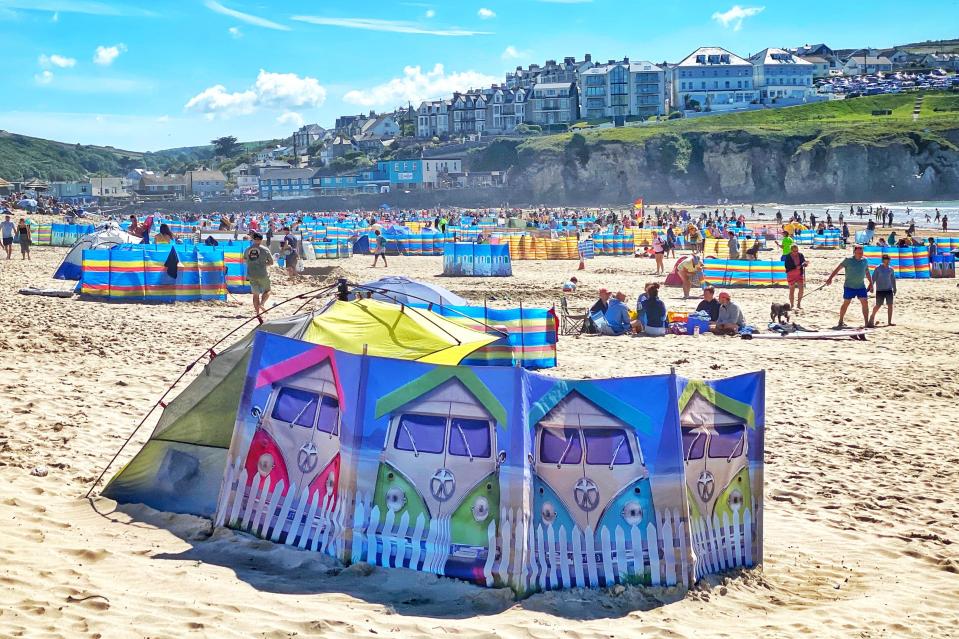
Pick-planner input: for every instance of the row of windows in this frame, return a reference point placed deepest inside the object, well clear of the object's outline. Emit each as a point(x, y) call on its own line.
point(740, 84)
point(715, 73)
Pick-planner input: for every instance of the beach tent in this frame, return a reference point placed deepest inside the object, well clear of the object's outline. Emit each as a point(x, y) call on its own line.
point(180, 467)
point(105, 237)
point(403, 290)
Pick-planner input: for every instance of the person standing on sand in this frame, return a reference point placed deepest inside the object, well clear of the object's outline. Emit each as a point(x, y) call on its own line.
point(289, 247)
point(658, 250)
point(258, 259)
point(379, 249)
point(8, 230)
point(23, 231)
point(856, 271)
point(795, 274)
point(884, 280)
point(945, 222)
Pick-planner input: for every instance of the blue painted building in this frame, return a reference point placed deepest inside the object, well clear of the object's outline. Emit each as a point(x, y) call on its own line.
point(279, 184)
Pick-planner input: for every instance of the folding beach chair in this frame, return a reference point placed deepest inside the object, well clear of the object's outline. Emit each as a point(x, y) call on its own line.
point(571, 324)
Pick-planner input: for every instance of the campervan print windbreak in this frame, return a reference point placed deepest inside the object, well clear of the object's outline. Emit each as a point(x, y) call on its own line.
point(499, 476)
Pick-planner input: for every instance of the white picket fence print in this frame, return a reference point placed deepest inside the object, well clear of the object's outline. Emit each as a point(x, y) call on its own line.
point(723, 544)
point(303, 520)
point(669, 552)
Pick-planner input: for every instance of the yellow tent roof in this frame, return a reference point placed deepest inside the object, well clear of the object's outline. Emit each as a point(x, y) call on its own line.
point(392, 330)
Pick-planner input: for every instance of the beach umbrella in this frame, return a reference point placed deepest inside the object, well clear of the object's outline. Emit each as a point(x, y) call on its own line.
point(403, 290)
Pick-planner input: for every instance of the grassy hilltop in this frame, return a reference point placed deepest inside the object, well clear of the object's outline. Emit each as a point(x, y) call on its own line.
point(843, 121)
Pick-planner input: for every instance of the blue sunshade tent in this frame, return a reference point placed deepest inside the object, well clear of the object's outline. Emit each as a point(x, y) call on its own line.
point(403, 290)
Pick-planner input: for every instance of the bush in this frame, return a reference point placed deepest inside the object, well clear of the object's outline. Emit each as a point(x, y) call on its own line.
point(675, 115)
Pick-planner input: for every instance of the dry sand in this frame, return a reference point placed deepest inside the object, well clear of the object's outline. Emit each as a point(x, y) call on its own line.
point(862, 513)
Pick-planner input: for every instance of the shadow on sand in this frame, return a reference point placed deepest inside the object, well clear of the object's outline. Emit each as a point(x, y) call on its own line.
point(281, 569)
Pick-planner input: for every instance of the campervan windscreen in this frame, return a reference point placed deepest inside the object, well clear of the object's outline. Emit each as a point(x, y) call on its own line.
point(329, 410)
point(561, 446)
point(295, 406)
point(694, 444)
point(421, 433)
point(608, 447)
point(727, 442)
point(469, 438)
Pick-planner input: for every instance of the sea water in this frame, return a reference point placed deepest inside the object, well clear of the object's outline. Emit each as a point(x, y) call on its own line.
point(903, 212)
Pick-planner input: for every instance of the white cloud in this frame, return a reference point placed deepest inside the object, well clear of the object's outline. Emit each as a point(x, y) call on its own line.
point(290, 118)
point(415, 86)
point(257, 21)
point(104, 56)
point(512, 53)
point(56, 60)
point(235, 33)
point(55, 17)
point(430, 13)
point(163, 118)
point(736, 15)
point(78, 6)
point(486, 14)
point(392, 26)
point(271, 90)
point(44, 77)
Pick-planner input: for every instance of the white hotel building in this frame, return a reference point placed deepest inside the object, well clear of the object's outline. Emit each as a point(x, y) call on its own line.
point(783, 78)
point(715, 78)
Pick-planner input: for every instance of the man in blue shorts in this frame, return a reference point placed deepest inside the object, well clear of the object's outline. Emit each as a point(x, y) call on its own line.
point(854, 286)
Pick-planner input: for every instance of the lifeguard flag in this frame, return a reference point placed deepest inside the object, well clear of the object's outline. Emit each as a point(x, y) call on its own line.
point(638, 204)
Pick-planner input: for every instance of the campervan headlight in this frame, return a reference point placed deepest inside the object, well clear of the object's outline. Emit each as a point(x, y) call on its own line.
point(480, 509)
point(548, 512)
point(265, 464)
point(330, 482)
point(395, 498)
point(632, 512)
point(735, 499)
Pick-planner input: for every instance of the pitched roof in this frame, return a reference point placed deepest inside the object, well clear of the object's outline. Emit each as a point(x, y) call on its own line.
point(711, 56)
point(207, 175)
point(163, 180)
point(777, 57)
point(286, 174)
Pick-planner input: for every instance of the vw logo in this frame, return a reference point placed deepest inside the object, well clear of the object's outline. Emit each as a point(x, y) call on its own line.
point(442, 484)
point(705, 486)
point(586, 494)
point(306, 457)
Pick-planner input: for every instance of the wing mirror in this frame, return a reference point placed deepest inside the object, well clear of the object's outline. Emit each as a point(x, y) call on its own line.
point(256, 411)
point(501, 457)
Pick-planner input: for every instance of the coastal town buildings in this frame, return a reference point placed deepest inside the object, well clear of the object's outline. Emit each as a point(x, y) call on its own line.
point(205, 183)
point(782, 77)
point(713, 79)
point(622, 89)
point(553, 103)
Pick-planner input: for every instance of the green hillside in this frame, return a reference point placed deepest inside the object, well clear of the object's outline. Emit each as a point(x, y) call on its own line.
point(843, 120)
point(24, 157)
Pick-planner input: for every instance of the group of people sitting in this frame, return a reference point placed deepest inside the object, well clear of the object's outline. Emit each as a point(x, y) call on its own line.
point(610, 314)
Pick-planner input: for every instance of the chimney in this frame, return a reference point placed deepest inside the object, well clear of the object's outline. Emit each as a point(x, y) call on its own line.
point(588, 58)
point(626, 60)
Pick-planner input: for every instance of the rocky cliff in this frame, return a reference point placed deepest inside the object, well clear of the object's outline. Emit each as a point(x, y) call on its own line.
point(741, 166)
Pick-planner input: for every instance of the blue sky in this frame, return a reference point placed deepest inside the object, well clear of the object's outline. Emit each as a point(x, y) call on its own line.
point(152, 75)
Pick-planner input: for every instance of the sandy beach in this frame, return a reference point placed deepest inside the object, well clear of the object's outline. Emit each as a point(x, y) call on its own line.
point(861, 523)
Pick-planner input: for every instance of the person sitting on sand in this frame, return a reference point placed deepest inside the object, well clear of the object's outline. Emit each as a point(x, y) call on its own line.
point(652, 317)
point(617, 315)
point(709, 303)
point(856, 271)
point(602, 304)
point(165, 236)
point(730, 318)
point(569, 286)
